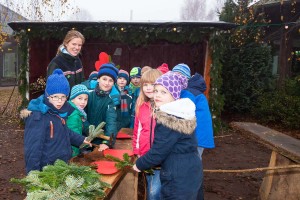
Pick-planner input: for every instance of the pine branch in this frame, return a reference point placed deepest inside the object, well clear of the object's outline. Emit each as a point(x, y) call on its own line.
point(94, 133)
point(63, 181)
point(125, 163)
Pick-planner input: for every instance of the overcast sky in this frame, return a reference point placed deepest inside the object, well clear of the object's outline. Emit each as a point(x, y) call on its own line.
point(142, 10)
point(119, 10)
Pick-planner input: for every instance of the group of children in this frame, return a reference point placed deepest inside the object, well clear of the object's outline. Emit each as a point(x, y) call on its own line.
point(167, 110)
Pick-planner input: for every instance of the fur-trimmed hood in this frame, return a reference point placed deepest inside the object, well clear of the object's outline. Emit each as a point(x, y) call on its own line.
point(178, 115)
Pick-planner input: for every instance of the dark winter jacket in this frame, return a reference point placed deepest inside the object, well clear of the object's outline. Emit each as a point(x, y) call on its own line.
point(175, 149)
point(46, 137)
point(204, 129)
point(100, 108)
point(70, 65)
point(123, 103)
point(134, 96)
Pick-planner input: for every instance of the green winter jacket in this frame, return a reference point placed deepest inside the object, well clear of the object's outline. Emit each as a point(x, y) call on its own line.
point(74, 122)
point(101, 109)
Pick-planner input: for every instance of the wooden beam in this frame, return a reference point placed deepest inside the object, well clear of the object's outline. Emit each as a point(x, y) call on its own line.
point(207, 67)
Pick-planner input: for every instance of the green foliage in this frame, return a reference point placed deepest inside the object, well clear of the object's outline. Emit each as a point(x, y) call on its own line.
point(246, 74)
point(216, 98)
point(292, 86)
point(228, 13)
point(22, 79)
point(125, 163)
point(94, 132)
point(135, 35)
point(278, 107)
point(63, 182)
point(247, 61)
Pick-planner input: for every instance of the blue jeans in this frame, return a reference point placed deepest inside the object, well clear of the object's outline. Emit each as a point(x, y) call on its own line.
point(200, 192)
point(153, 186)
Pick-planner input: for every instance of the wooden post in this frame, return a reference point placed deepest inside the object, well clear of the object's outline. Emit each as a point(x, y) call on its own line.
point(277, 184)
point(207, 67)
point(266, 185)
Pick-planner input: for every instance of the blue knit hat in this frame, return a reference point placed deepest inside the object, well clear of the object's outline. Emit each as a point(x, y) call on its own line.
point(93, 75)
point(57, 83)
point(124, 74)
point(136, 72)
point(183, 69)
point(108, 69)
point(78, 90)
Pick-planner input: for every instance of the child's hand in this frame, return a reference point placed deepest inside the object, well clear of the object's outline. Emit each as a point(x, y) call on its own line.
point(87, 142)
point(103, 147)
point(135, 168)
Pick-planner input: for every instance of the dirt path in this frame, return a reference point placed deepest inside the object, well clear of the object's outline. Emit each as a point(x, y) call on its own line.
point(234, 152)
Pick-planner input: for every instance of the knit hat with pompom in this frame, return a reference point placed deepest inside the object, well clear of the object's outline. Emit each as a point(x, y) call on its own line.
point(57, 83)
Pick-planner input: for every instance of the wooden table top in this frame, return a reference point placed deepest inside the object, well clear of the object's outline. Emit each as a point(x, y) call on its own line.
point(112, 179)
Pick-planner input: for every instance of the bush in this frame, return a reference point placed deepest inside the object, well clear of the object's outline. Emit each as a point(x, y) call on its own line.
point(280, 106)
point(246, 75)
point(292, 86)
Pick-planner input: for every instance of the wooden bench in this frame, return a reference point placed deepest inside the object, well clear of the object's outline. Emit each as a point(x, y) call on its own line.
point(279, 184)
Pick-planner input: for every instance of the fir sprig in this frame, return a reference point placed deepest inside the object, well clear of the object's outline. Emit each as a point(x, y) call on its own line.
point(94, 132)
point(125, 163)
point(63, 181)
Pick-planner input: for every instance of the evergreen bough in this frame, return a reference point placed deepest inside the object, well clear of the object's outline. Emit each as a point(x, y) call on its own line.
point(63, 181)
point(125, 163)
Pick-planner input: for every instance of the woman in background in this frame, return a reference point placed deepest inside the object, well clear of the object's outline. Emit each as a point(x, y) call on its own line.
point(67, 58)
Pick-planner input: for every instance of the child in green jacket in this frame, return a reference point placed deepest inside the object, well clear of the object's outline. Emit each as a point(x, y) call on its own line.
point(101, 108)
point(78, 99)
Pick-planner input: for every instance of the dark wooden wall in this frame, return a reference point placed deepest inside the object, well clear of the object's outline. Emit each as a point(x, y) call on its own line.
point(154, 54)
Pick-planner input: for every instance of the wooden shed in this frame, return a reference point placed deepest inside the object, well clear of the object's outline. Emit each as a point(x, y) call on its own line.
point(128, 43)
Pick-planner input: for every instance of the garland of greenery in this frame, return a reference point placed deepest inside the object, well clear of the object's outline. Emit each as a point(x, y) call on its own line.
point(129, 34)
point(139, 35)
point(23, 82)
point(216, 98)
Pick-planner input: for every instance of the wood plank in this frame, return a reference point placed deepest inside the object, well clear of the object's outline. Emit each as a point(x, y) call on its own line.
point(279, 142)
point(285, 183)
point(266, 185)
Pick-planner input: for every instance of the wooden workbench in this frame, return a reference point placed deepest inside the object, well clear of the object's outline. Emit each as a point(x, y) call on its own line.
point(124, 183)
point(283, 184)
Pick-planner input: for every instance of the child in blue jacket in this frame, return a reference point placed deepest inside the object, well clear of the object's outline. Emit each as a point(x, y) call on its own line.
point(204, 130)
point(47, 137)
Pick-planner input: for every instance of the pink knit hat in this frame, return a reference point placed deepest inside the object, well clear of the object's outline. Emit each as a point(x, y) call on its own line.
point(164, 68)
point(173, 82)
point(124, 74)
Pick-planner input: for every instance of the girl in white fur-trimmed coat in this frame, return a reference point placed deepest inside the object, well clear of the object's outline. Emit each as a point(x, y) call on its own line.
point(175, 145)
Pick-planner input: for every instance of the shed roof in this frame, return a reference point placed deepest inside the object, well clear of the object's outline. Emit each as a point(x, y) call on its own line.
point(22, 25)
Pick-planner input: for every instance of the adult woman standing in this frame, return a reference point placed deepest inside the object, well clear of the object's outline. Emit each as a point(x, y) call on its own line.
point(67, 58)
